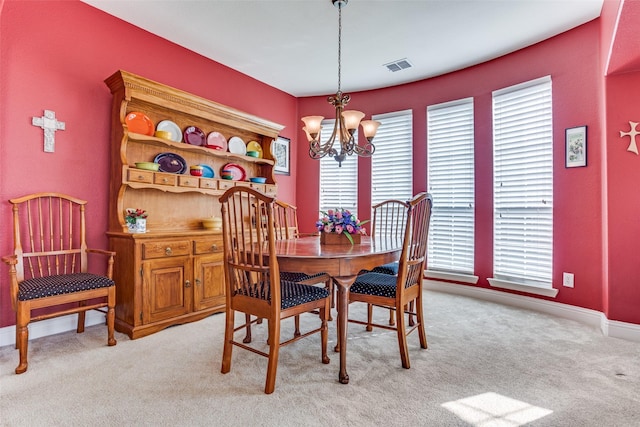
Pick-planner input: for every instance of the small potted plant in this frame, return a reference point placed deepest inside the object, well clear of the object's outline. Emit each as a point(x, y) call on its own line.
point(136, 220)
point(337, 225)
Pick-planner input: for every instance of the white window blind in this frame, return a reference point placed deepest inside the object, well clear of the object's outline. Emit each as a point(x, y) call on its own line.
point(523, 183)
point(450, 175)
point(338, 185)
point(392, 162)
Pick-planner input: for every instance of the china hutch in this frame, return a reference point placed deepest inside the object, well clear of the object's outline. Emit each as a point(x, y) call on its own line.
point(173, 273)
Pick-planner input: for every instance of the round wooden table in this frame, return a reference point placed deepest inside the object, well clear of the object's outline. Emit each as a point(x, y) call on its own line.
point(342, 263)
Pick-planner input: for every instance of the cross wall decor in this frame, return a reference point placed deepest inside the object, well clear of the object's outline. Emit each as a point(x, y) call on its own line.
point(50, 125)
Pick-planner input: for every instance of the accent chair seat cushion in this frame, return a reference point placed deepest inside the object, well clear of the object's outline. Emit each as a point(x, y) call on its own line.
point(61, 284)
point(297, 277)
point(378, 284)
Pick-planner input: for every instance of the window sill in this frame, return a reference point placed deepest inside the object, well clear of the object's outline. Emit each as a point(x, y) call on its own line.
point(455, 277)
point(530, 289)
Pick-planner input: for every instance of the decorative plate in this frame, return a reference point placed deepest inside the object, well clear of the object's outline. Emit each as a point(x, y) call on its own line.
point(254, 146)
point(237, 171)
point(171, 162)
point(207, 171)
point(237, 146)
point(139, 123)
point(216, 139)
point(169, 126)
point(193, 135)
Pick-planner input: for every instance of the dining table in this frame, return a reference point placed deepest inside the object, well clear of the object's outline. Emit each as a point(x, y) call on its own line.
point(343, 262)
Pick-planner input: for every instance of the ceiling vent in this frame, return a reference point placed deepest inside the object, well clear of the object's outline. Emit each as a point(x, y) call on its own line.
point(400, 64)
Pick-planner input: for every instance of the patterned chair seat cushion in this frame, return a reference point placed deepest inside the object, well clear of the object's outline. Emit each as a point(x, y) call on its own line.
point(390, 268)
point(297, 277)
point(61, 284)
point(291, 293)
point(377, 284)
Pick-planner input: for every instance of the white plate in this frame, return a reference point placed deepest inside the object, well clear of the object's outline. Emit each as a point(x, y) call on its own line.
point(237, 146)
point(169, 126)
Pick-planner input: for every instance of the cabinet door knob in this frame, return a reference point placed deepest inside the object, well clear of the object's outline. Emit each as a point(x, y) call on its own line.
point(197, 281)
point(187, 284)
point(168, 251)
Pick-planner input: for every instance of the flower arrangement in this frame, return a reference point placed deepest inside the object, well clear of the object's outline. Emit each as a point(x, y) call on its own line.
point(340, 221)
point(133, 214)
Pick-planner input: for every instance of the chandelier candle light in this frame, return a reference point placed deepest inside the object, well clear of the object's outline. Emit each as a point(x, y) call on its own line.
point(346, 121)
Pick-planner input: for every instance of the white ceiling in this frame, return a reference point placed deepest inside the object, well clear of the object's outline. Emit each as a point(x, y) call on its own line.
point(293, 44)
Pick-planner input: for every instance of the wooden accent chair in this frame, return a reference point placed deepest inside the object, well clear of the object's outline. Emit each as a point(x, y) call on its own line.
point(389, 219)
point(253, 279)
point(396, 292)
point(49, 266)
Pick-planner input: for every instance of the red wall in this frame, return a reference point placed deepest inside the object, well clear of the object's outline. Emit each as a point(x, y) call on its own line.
point(572, 60)
point(55, 56)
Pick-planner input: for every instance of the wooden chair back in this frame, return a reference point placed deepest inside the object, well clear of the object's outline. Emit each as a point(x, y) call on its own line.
point(414, 249)
point(389, 219)
point(49, 236)
point(286, 220)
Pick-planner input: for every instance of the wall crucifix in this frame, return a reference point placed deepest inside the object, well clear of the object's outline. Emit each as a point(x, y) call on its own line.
point(50, 125)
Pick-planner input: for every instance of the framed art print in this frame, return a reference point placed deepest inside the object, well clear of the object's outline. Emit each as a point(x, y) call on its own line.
point(575, 140)
point(281, 152)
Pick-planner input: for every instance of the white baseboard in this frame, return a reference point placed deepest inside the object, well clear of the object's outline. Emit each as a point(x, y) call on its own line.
point(611, 328)
point(52, 326)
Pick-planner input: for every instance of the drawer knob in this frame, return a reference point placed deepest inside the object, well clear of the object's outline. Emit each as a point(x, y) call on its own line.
point(168, 251)
point(165, 180)
point(214, 247)
point(141, 177)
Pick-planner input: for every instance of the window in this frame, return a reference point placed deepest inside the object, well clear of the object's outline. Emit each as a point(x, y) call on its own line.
point(450, 175)
point(523, 185)
point(392, 162)
point(338, 185)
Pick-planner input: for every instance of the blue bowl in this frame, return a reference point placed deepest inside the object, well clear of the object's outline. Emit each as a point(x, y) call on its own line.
point(258, 179)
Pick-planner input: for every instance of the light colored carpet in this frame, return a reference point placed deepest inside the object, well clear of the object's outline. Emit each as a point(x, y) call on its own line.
point(487, 365)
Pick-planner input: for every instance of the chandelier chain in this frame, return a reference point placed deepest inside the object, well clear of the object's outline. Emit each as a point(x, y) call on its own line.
point(339, 46)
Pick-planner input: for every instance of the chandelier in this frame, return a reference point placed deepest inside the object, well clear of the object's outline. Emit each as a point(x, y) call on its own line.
point(346, 123)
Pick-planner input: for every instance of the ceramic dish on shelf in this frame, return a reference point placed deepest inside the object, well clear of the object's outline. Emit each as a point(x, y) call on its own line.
point(171, 162)
point(174, 129)
point(150, 166)
point(258, 179)
point(217, 141)
point(237, 146)
point(207, 171)
point(139, 123)
point(237, 172)
point(193, 135)
point(254, 146)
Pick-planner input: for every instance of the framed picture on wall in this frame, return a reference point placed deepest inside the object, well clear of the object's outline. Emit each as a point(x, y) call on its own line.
point(281, 152)
point(575, 140)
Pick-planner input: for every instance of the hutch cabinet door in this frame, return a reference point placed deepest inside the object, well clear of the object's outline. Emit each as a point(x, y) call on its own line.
point(209, 289)
point(167, 289)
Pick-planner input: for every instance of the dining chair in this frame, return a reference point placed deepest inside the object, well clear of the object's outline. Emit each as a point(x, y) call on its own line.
point(397, 291)
point(254, 286)
point(388, 220)
point(49, 267)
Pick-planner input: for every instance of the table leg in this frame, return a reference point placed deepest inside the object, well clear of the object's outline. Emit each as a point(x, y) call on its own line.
point(344, 283)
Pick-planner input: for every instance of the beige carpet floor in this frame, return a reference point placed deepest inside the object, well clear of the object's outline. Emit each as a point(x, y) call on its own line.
point(487, 365)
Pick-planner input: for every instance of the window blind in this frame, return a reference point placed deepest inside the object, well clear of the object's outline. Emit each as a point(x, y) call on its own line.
point(338, 185)
point(392, 162)
point(451, 179)
point(523, 183)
